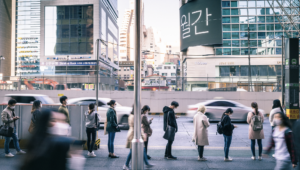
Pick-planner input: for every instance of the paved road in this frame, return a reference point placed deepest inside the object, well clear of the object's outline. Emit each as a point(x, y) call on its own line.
point(183, 148)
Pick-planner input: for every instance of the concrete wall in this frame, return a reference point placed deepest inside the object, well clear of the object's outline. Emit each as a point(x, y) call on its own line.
point(156, 100)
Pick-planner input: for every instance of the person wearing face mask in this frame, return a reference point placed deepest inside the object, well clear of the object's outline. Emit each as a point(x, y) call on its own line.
point(146, 129)
point(282, 140)
point(170, 122)
point(48, 147)
point(63, 108)
point(9, 119)
point(227, 132)
point(275, 109)
point(112, 127)
point(35, 111)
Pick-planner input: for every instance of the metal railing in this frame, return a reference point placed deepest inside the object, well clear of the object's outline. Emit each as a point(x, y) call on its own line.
point(153, 83)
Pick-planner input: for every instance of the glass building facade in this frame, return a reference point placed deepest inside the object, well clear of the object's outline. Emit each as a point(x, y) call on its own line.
point(265, 29)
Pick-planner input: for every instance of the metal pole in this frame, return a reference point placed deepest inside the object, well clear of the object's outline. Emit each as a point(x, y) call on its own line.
point(43, 81)
point(282, 72)
point(137, 142)
point(249, 75)
point(67, 71)
point(97, 68)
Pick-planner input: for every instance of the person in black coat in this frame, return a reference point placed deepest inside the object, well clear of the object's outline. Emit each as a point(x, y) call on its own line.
point(227, 127)
point(170, 119)
point(296, 136)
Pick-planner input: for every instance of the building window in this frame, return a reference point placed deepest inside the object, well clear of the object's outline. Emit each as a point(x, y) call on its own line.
point(173, 74)
point(164, 74)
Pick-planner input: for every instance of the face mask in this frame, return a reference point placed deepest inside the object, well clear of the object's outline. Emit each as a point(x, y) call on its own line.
point(278, 122)
point(41, 105)
point(60, 129)
point(12, 107)
point(147, 113)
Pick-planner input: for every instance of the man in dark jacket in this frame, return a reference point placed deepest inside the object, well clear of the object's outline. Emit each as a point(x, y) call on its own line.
point(296, 136)
point(170, 119)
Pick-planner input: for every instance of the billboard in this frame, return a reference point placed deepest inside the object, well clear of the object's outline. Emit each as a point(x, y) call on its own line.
point(200, 23)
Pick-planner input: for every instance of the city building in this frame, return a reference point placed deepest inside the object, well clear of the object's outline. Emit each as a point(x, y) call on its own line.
point(169, 71)
point(172, 49)
point(229, 62)
point(154, 83)
point(5, 37)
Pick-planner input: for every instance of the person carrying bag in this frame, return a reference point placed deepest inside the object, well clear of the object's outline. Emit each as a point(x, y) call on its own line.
point(170, 131)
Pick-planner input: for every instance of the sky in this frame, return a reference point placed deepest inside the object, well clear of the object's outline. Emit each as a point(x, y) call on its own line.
point(162, 15)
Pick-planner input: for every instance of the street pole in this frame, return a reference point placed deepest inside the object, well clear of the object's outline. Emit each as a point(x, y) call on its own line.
point(282, 72)
point(137, 142)
point(97, 78)
point(67, 71)
point(249, 75)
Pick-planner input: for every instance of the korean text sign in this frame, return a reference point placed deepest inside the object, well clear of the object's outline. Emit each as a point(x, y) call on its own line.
point(200, 23)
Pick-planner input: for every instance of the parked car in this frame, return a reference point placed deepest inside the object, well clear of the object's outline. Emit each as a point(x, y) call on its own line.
point(28, 98)
point(122, 111)
point(215, 109)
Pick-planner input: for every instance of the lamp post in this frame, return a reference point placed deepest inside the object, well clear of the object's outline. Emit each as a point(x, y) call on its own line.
point(137, 142)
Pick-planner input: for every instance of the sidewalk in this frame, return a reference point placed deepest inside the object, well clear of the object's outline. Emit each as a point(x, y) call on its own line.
point(187, 160)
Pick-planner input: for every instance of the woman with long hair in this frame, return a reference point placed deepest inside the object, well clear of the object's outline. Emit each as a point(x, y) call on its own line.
point(282, 141)
point(35, 111)
point(258, 118)
point(201, 124)
point(130, 136)
point(146, 129)
point(275, 109)
point(112, 127)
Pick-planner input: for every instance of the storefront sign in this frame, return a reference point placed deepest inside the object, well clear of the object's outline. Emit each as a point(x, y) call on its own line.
point(226, 63)
point(154, 83)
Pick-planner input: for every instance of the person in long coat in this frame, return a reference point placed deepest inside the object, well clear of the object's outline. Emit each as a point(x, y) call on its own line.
point(201, 123)
point(255, 135)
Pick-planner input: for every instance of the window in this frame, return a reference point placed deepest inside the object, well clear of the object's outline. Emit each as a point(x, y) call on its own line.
point(261, 19)
point(235, 43)
point(270, 19)
point(225, 11)
point(243, 11)
point(253, 43)
point(164, 74)
point(261, 35)
point(261, 11)
point(236, 51)
point(226, 43)
point(219, 51)
point(244, 35)
point(173, 74)
point(226, 35)
point(225, 3)
point(235, 27)
point(251, 3)
point(244, 51)
point(252, 11)
point(269, 11)
point(235, 35)
point(234, 12)
point(242, 3)
point(234, 4)
point(244, 20)
point(260, 3)
point(226, 20)
point(226, 28)
point(226, 51)
point(278, 27)
point(253, 35)
point(270, 27)
point(234, 20)
point(270, 35)
point(225, 71)
point(278, 51)
point(252, 27)
point(278, 34)
point(244, 43)
point(261, 27)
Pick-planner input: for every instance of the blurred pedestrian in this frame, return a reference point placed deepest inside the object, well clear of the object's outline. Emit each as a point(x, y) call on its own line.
point(112, 127)
point(130, 136)
point(48, 147)
point(35, 113)
point(9, 119)
point(275, 109)
point(170, 127)
point(227, 127)
point(201, 123)
point(296, 136)
point(63, 108)
point(91, 117)
point(282, 140)
point(255, 119)
point(146, 129)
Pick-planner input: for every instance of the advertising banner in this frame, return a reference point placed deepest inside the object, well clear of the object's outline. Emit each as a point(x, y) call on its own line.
point(200, 23)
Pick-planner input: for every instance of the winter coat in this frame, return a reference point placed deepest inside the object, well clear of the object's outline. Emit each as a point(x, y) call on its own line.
point(7, 117)
point(255, 134)
point(170, 115)
point(227, 126)
point(130, 133)
point(200, 129)
point(146, 129)
point(35, 116)
point(111, 118)
point(271, 116)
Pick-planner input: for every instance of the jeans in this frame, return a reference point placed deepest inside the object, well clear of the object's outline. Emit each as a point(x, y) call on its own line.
point(146, 145)
point(283, 165)
point(168, 151)
point(253, 147)
point(227, 143)
point(200, 151)
point(91, 132)
point(111, 139)
point(15, 140)
point(129, 158)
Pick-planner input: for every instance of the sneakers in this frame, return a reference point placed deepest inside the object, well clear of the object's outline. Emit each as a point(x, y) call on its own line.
point(202, 159)
point(21, 152)
point(126, 167)
point(149, 166)
point(253, 158)
point(273, 155)
point(9, 155)
point(92, 154)
point(228, 159)
point(89, 153)
point(171, 157)
point(260, 158)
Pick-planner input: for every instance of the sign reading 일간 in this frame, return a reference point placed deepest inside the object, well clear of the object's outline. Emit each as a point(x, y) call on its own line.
point(200, 23)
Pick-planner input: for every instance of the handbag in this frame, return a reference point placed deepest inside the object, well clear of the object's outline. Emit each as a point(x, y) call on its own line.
point(97, 121)
point(31, 127)
point(6, 131)
point(170, 131)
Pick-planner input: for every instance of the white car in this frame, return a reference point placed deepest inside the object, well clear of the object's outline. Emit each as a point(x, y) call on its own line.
point(122, 111)
point(215, 109)
point(28, 98)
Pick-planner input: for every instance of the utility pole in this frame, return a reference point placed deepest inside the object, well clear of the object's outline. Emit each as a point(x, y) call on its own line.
point(67, 72)
point(137, 142)
point(97, 73)
point(249, 75)
point(283, 72)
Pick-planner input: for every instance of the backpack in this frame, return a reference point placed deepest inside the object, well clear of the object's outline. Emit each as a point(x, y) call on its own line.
point(256, 122)
point(220, 127)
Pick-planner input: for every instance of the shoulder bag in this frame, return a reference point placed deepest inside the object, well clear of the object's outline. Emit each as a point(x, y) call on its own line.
point(97, 121)
point(6, 130)
point(170, 131)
